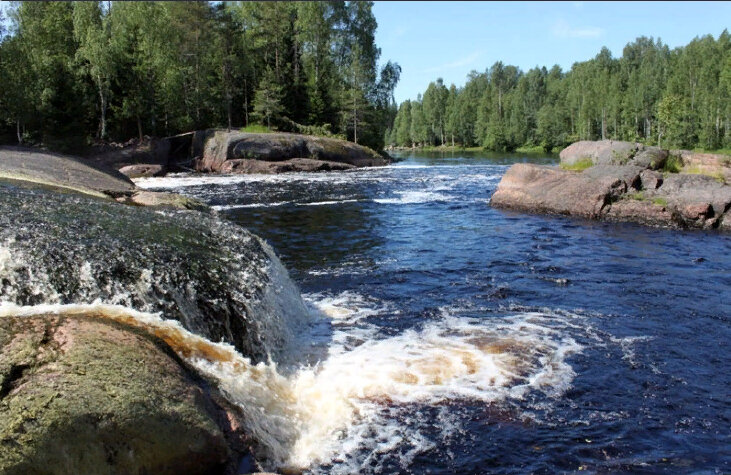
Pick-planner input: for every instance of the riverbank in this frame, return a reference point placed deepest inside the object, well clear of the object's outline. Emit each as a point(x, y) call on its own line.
point(235, 152)
point(623, 181)
point(537, 150)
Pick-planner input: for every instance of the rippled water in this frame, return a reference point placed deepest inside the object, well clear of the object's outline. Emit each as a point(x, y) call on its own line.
point(465, 339)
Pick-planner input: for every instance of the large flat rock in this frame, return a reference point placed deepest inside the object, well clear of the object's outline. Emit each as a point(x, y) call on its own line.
point(547, 189)
point(617, 193)
point(223, 146)
point(63, 171)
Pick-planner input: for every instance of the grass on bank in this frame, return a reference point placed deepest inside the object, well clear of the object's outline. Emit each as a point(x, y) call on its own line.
point(640, 196)
point(257, 129)
point(578, 166)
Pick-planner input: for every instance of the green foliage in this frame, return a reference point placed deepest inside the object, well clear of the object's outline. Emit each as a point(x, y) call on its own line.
point(660, 201)
point(673, 164)
point(580, 165)
point(651, 94)
point(639, 196)
point(716, 175)
point(256, 129)
point(113, 70)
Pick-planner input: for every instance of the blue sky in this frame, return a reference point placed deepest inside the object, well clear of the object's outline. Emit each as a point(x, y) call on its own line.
point(450, 39)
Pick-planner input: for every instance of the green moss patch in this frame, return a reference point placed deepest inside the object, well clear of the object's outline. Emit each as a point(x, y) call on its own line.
point(579, 165)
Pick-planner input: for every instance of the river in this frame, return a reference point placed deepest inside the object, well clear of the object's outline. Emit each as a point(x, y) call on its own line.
point(458, 338)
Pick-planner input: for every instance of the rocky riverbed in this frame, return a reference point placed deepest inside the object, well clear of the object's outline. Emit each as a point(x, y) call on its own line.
point(622, 181)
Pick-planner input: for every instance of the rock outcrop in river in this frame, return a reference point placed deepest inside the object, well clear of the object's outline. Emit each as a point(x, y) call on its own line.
point(236, 152)
point(623, 182)
point(241, 152)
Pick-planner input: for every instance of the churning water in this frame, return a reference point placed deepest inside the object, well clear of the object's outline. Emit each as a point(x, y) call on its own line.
point(449, 337)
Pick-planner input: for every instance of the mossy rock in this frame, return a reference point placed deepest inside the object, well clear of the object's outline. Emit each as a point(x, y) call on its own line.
point(86, 395)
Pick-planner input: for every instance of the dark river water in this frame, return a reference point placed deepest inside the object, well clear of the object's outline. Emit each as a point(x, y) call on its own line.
point(610, 341)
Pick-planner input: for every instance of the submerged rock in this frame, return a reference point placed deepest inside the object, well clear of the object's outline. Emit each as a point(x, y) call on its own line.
point(85, 395)
point(160, 199)
point(216, 278)
point(143, 170)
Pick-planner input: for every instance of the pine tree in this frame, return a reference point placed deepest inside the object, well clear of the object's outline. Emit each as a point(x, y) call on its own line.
point(268, 99)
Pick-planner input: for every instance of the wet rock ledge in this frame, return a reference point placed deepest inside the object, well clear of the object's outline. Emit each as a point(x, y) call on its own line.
point(30, 167)
point(623, 181)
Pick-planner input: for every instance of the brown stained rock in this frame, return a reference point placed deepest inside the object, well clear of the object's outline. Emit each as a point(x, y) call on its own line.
point(86, 395)
point(622, 178)
point(616, 193)
point(697, 212)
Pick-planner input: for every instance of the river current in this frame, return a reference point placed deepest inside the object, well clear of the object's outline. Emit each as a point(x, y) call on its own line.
point(451, 337)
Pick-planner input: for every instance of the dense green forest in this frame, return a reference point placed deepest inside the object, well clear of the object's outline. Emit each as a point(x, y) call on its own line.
point(76, 72)
point(674, 98)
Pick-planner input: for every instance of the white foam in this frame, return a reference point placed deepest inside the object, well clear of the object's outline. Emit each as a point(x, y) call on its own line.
point(346, 306)
point(328, 203)
point(251, 205)
point(357, 400)
point(412, 197)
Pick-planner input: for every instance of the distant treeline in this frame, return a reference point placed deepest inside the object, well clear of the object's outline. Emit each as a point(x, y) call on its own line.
point(675, 98)
point(72, 72)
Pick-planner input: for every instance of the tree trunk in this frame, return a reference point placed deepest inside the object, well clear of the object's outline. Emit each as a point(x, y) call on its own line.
point(103, 106)
point(17, 131)
point(228, 111)
point(246, 105)
point(139, 126)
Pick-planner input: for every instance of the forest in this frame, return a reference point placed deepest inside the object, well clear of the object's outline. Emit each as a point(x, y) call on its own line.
point(652, 94)
point(79, 73)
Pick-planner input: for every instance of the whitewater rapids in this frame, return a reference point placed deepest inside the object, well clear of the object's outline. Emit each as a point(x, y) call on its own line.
point(354, 398)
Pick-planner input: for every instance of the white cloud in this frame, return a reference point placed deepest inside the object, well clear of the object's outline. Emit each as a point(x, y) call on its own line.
point(464, 61)
point(563, 29)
